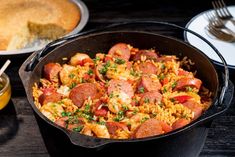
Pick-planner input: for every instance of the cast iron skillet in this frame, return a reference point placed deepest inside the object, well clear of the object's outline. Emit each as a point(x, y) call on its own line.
point(31, 71)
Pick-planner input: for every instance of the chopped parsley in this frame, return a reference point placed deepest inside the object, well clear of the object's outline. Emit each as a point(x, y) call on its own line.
point(134, 73)
point(135, 111)
point(90, 72)
point(104, 69)
point(174, 84)
point(78, 129)
point(64, 114)
point(111, 95)
point(119, 117)
point(144, 119)
point(161, 77)
point(87, 109)
point(71, 75)
point(73, 84)
point(96, 59)
point(119, 61)
point(163, 66)
point(101, 123)
point(189, 89)
point(146, 100)
point(73, 120)
point(164, 90)
point(141, 89)
point(124, 107)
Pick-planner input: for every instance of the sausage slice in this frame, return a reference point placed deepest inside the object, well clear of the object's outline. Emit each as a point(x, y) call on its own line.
point(149, 84)
point(148, 68)
point(150, 127)
point(151, 97)
point(51, 71)
point(149, 54)
point(184, 82)
point(50, 97)
point(120, 86)
point(195, 107)
point(81, 92)
point(180, 123)
point(121, 51)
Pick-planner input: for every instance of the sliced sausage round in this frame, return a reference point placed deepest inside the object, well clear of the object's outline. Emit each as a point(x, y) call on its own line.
point(148, 68)
point(50, 97)
point(51, 71)
point(151, 97)
point(121, 51)
point(81, 92)
point(195, 107)
point(150, 127)
point(165, 127)
point(149, 54)
point(120, 86)
point(184, 82)
point(180, 123)
point(149, 84)
point(99, 110)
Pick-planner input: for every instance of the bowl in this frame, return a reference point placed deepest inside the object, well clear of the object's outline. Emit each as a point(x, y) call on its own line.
point(5, 90)
point(31, 71)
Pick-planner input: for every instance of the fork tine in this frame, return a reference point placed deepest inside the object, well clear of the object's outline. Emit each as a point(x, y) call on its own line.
point(221, 7)
point(225, 8)
point(217, 9)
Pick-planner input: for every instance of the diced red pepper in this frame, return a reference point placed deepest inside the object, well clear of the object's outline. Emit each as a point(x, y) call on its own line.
point(182, 98)
point(165, 81)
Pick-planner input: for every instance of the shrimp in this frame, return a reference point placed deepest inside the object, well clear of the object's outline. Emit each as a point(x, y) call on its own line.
point(52, 110)
point(100, 131)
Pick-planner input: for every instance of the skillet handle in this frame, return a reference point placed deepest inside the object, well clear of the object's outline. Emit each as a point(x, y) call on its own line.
point(214, 111)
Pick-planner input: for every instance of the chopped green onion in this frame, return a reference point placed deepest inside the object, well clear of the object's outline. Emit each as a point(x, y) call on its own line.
point(174, 84)
point(146, 100)
point(78, 129)
point(71, 75)
point(73, 84)
point(119, 61)
point(90, 72)
point(141, 89)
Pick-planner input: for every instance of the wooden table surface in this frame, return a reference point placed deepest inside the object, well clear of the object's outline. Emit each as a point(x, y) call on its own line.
point(20, 135)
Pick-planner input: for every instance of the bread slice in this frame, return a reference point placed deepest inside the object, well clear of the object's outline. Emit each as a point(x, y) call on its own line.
point(43, 18)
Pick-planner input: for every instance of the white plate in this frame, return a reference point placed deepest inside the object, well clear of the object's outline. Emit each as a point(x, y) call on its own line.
point(198, 24)
point(84, 18)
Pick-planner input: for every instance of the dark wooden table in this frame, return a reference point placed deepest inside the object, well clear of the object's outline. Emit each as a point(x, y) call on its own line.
point(19, 130)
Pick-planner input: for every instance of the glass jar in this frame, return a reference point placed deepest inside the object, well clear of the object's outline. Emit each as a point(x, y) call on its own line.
point(5, 90)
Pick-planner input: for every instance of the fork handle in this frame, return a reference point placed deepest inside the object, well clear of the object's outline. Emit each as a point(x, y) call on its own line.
point(228, 30)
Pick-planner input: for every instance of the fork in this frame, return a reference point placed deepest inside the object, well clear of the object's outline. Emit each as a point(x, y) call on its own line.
point(218, 33)
point(218, 23)
point(222, 11)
